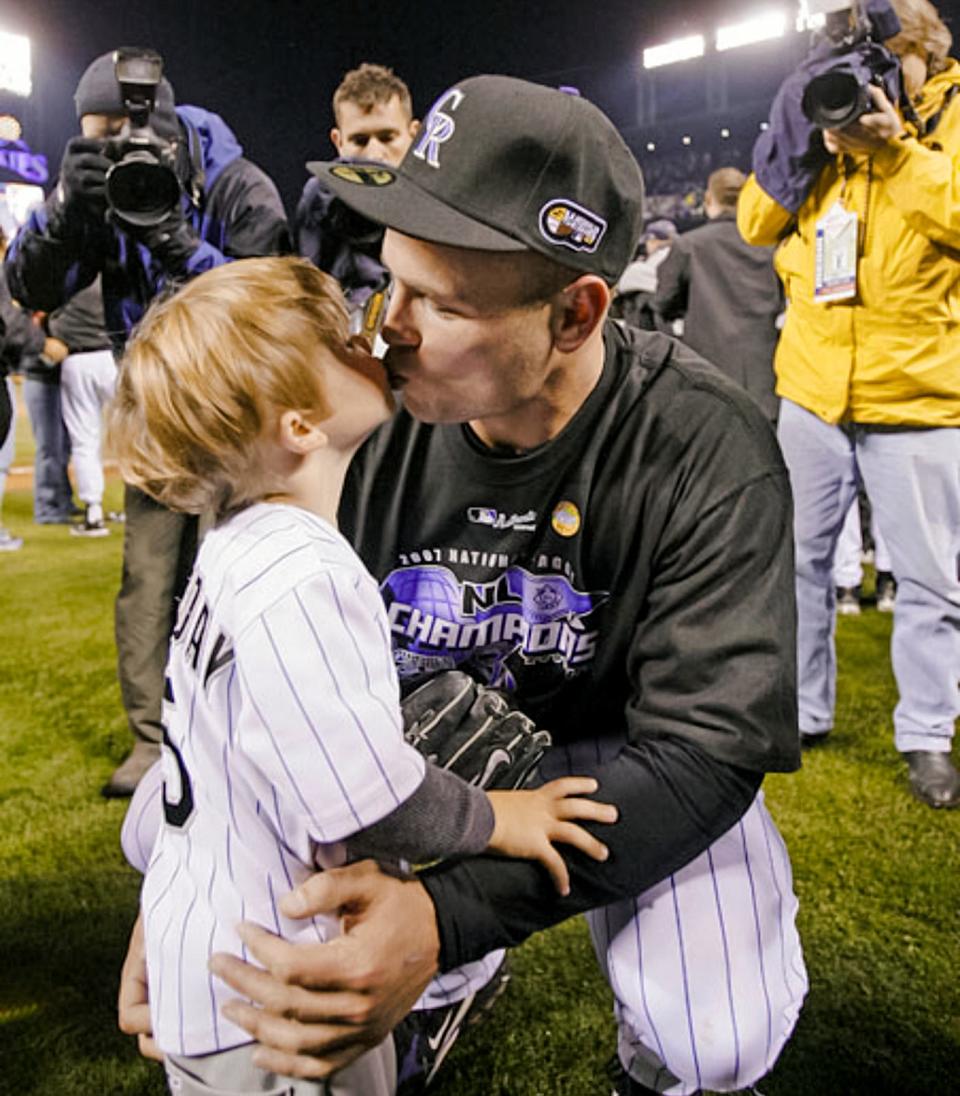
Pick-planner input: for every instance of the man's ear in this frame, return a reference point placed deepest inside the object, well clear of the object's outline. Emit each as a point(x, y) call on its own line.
point(337, 138)
point(298, 434)
point(414, 127)
point(578, 311)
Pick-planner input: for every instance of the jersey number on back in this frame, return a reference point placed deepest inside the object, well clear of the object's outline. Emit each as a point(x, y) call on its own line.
point(176, 813)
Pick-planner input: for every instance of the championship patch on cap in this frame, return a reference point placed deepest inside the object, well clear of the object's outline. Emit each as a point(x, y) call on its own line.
point(570, 225)
point(363, 174)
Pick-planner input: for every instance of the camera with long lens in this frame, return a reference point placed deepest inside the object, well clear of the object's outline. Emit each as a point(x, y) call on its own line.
point(142, 185)
point(854, 59)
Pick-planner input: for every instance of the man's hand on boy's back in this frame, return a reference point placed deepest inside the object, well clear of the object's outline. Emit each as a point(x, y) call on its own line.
point(374, 971)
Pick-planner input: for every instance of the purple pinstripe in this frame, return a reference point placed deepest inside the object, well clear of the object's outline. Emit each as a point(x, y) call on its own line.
point(286, 769)
point(643, 990)
point(726, 963)
point(210, 950)
point(366, 672)
point(183, 933)
point(686, 983)
point(756, 921)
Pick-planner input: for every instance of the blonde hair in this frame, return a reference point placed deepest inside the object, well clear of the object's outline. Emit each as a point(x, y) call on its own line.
point(209, 367)
point(922, 27)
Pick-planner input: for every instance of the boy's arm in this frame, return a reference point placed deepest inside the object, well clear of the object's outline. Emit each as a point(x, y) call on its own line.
point(444, 817)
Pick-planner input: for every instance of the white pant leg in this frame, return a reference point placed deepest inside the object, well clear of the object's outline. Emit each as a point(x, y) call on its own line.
point(454, 985)
point(706, 967)
point(913, 478)
point(847, 565)
point(87, 382)
point(823, 475)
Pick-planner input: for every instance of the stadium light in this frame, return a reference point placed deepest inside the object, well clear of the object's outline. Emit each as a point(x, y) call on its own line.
point(761, 28)
point(811, 20)
point(687, 139)
point(724, 133)
point(680, 49)
point(15, 63)
point(651, 146)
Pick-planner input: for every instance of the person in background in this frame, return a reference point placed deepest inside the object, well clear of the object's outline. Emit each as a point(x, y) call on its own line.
point(867, 367)
point(848, 561)
point(88, 377)
point(374, 120)
point(633, 300)
point(224, 208)
point(26, 348)
point(726, 293)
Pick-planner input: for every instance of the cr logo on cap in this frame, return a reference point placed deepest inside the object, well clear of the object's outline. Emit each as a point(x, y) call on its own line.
point(438, 128)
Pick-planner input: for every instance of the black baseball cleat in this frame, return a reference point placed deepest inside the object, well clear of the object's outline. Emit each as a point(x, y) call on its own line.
point(848, 600)
point(933, 778)
point(886, 591)
point(423, 1039)
point(625, 1085)
point(810, 741)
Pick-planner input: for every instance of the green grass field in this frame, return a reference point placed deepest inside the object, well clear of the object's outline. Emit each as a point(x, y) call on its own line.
point(878, 876)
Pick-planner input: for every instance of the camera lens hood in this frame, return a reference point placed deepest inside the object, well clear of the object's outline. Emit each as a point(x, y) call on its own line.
point(835, 98)
point(142, 190)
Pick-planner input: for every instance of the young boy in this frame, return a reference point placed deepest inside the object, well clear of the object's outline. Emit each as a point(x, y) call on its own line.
point(244, 395)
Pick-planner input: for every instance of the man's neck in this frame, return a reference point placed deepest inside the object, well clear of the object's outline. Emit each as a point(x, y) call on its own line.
point(544, 416)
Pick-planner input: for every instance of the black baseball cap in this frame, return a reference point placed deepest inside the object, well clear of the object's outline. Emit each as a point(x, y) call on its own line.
point(505, 165)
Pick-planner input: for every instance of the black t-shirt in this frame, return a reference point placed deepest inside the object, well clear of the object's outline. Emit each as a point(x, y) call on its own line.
point(630, 582)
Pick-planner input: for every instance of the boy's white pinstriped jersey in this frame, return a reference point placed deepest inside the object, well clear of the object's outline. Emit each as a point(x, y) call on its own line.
point(282, 714)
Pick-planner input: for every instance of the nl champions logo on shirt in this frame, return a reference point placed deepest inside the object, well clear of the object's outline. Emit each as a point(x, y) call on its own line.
point(495, 628)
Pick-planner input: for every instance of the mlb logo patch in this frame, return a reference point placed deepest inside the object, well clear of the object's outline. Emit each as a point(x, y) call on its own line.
point(570, 225)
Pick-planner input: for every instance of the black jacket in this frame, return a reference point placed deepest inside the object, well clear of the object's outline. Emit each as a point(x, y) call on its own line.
point(22, 339)
point(729, 297)
point(239, 215)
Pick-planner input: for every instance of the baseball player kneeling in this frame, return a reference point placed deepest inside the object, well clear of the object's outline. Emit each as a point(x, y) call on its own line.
point(243, 394)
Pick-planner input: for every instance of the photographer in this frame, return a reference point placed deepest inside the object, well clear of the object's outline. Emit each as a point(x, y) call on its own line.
point(868, 220)
point(223, 207)
point(373, 115)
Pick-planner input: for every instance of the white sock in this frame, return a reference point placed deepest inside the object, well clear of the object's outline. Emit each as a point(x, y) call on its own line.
point(94, 513)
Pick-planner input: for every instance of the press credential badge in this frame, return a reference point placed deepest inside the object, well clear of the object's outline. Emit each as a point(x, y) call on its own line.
point(836, 255)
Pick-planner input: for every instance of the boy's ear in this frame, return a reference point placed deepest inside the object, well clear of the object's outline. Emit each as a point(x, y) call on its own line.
point(299, 434)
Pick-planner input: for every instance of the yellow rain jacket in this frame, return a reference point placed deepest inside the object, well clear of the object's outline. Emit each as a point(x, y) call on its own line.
point(891, 354)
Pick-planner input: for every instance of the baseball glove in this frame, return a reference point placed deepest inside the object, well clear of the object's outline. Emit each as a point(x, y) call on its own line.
point(473, 731)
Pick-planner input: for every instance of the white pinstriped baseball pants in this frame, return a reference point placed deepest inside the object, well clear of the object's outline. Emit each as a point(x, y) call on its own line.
point(706, 967)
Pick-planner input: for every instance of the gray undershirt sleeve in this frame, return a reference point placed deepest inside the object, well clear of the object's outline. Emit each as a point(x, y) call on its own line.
point(444, 817)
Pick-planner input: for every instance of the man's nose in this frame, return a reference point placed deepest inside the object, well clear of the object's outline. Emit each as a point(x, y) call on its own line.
point(397, 329)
